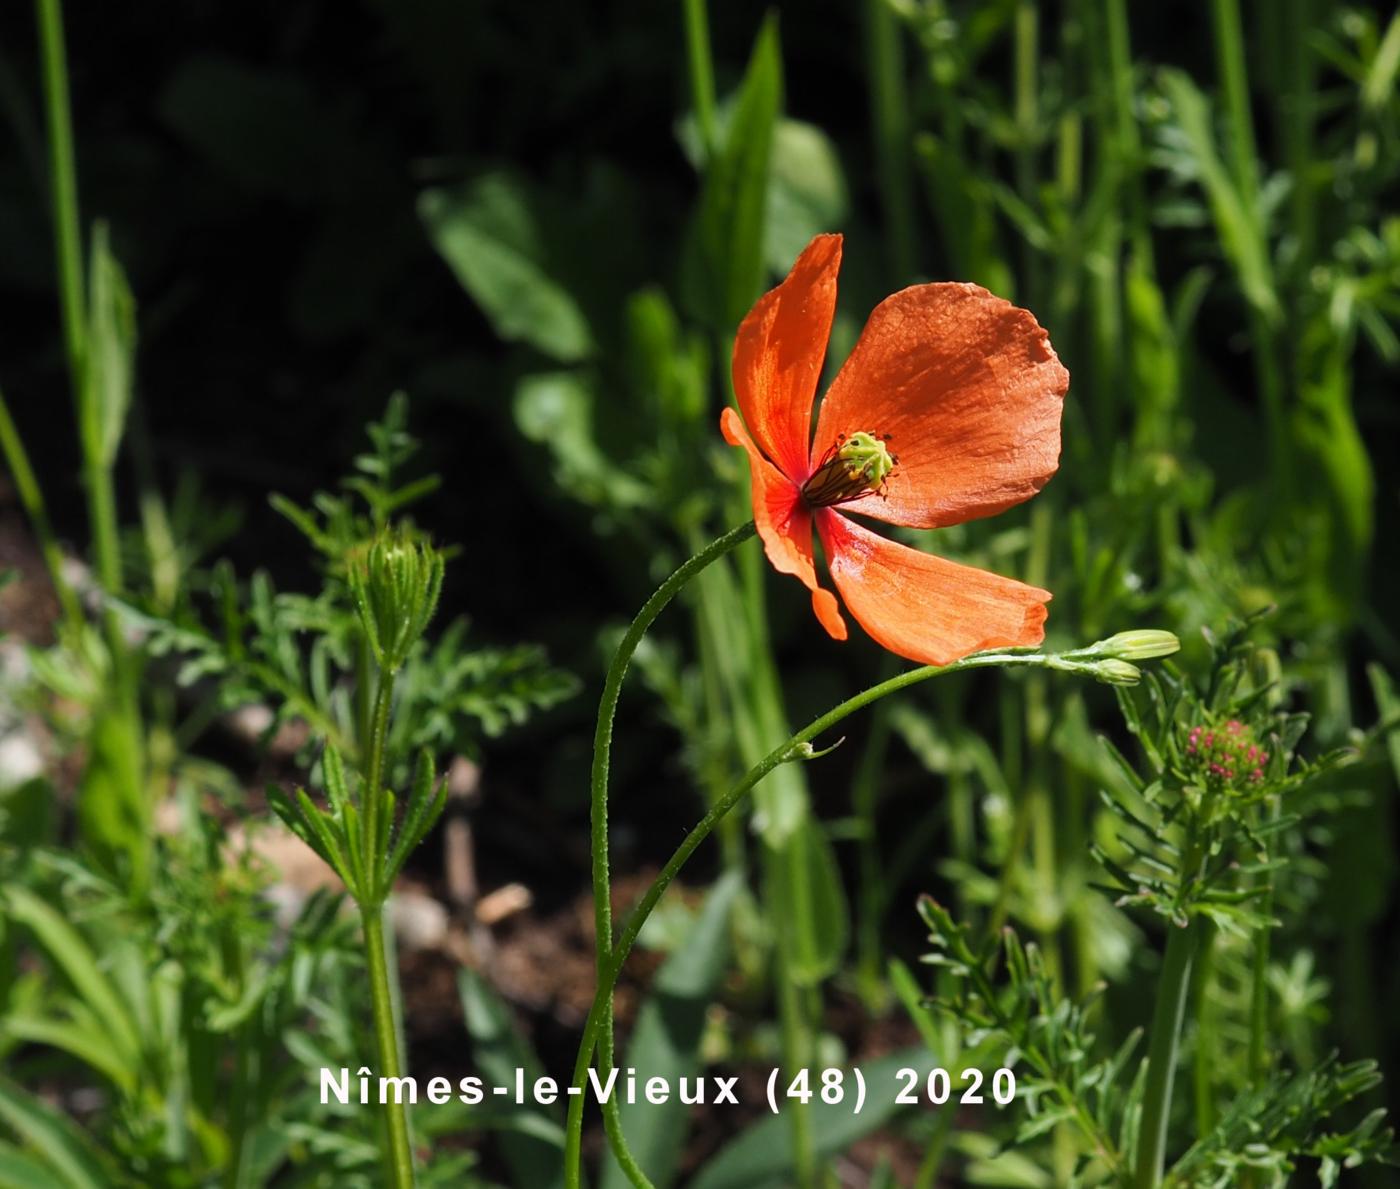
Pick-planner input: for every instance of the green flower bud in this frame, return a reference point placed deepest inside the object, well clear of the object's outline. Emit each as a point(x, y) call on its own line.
point(1140, 644)
point(1116, 672)
point(395, 584)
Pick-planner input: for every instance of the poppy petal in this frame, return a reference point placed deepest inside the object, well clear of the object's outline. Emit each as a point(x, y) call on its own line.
point(778, 354)
point(969, 391)
point(784, 523)
point(927, 608)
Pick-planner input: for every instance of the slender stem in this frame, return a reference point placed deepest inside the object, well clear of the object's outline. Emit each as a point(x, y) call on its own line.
point(1049, 885)
point(1129, 142)
point(386, 1040)
point(1173, 986)
point(1234, 80)
point(1207, 1052)
point(63, 183)
point(784, 897)
point(872, 892)
point(795, 748)
point(372, 898)
point(243, 1038)
point(1297, 116)
point(370, 803)
point(1026, 57)
point(102, 511)
point(1259, 981)
point(602, 759)
point(364, 695)
point(702, 77)
point(889, 113)
point(1243, 163)
point(31, 498)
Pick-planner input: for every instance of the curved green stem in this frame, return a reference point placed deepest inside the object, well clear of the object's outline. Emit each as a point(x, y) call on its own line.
point(602, 760)
point(798, 747)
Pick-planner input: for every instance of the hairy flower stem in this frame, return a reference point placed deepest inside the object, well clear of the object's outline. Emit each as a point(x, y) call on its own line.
point(1173, 986)
point(602, 759)
point(798, 747)
point(400, 1162)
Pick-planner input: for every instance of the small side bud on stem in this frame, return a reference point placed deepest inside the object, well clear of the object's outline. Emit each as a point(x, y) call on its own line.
point(1115, 672)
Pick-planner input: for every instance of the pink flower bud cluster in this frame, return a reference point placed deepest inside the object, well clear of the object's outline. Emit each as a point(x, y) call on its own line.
point(1226, 756)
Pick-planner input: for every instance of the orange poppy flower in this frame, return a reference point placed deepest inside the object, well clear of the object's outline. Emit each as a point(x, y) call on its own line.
point(948, 409)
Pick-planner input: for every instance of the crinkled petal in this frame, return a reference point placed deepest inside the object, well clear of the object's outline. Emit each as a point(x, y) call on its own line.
point(784, 523)
point(778, 354)
point(969, 391)
point(923, 607)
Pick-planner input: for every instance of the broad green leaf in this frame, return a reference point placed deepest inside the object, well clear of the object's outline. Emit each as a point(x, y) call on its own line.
point(810, 903)
point(53, 1136)
point(498, 1051)
point(488, 233)
point(666, 1040)
point(761, 1156)
point(725, 255)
